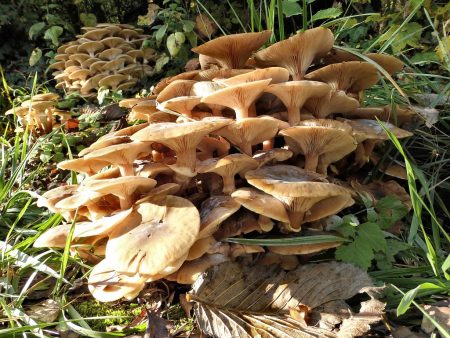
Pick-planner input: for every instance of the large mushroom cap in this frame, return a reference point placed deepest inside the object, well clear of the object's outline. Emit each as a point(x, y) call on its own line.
point(294, 94)
point(298, 52)
point(214, 211)
point(314, 138)
point(248, 132)
point(182, 138)
point(276, 74)
point(365, 129)
point(351, 77)
point(299, 190)
point(238, 97)
point(232, 51)
point(336, 101)
point(169, 227)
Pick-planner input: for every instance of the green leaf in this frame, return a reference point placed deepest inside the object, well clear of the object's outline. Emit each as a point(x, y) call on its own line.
point(291, 8)
point(385, 259)
point(357, 253)
point(407, 299)
point(329, 13)
point(372, 235)
point(88, 19)
point(159, 35)
point(188, 26)
point(390, 210)
point(174, 43)
point(161, 62)
point(36, 55)
point(53, 33)
point(424, 58)
point(35, 29)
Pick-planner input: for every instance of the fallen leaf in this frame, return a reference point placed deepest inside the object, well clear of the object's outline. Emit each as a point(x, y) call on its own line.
point(440, 312)
point(205, 26)
point(46, 311)
point(431, 115)
point(238, 300)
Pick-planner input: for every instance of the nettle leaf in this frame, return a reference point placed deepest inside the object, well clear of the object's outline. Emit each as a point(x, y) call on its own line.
point(390, 210)
point(36, 55)
point(291, 8)
point(53, 33)
point(329, 13)
point(35, 29)
point(369, 239)
point(246, 300)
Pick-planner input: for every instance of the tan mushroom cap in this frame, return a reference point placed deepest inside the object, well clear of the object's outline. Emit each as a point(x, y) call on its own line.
point(228, 167)
point(46, 97)
point(112, 81)
point(183, 105)
point(275, 74)
point(214, 74)
point(213, 212)
point(248, 132)
point(112, 41)
point(110, 54)
point(95, 34)
point(191, 270)
point(261, 203)
point(287, 262)
point(232, 51)
point(315, 138)
point(303, 249)
point(393, 169)
point(237, 250)
point(238, 97)
point(91, 47)
point(122, 187)
point(169, 228)
point(174, 89)
point(160, 191)
point(105, 142)
point(55, 237)
point(123, 155)
point(200, 247)
point(332, 102)
point(105, 225)
point(366, 129)
point(182, 139)
point(130, 103)
point(273, 155)
point(396, 115)
point(107, 285)
point(212, 145)
point(299, 190)
point(351, 77)
point(83, 165)
point(294, 94)
point(390, 63)
point(298, 52)
point(166, 81)
point(53, 196)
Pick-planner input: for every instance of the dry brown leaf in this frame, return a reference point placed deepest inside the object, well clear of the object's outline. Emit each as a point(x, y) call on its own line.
point(440, 312)
point(238, 300)
point(46, 311)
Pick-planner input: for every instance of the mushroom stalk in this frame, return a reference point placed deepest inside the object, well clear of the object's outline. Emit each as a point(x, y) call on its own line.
point(228, 184)
point(294, 115)
point(311, 162)
point(268, 144)
point(126, 169)
point(360, 155)
point(295, 219)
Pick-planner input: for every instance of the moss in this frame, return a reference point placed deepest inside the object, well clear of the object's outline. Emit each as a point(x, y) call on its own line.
point(125, 312)
point(177, 316)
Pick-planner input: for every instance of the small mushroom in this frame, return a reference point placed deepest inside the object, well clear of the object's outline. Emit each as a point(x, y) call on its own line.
point(213, 212)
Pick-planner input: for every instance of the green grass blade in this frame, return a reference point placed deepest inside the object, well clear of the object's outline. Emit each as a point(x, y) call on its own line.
point(293, 241)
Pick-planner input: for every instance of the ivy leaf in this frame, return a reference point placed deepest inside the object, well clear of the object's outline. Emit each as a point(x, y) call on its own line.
point(35, 29)
point(291, 8)
point(329, 13)
point(357, 253)
point(36, 55)
point(53, 33)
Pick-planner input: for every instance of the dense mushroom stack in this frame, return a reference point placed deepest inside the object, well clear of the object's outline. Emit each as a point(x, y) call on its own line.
point(108, 55)
point(40, 114)
point(224, 152)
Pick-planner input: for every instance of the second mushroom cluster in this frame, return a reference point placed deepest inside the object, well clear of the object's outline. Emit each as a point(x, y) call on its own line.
point(251, 143)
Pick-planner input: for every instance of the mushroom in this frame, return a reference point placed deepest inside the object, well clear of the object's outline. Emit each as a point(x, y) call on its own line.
point(238, 97)
point(83, 165)
point(335, 101)
point(232, 51)
point(169, 228)
point(273, 155)
point(315, 138)
point(182, 139)
point(298, 52)
point(299, 190)
point(248, 132)
point(294, 94)
point(275, 74)
point(227, 167)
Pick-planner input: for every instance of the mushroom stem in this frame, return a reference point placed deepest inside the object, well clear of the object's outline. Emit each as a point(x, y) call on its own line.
point(125, 203)
point(216, 110)
point(311, 161)
point(369, 146)
point(228, 184)
point(268, 144)
point(246, 149)
point(296, 219)
point(265, 223)
point(360, 155)
point(185, 164)
point(126, 169)
point(241, 113)
point(49, 121)
point(294, 115)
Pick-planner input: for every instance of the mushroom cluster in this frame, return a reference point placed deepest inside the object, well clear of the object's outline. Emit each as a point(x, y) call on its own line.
point(40, 113)
point(107, 55)
point(249, 145)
